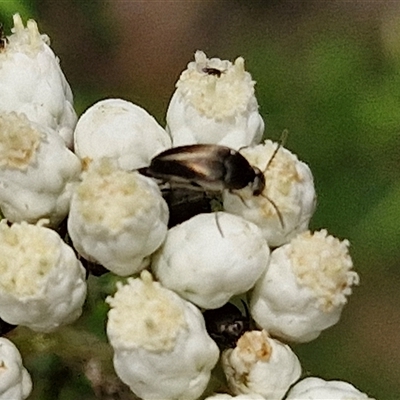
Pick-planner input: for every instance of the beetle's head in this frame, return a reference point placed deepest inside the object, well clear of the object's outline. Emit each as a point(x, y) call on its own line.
point(258, 184)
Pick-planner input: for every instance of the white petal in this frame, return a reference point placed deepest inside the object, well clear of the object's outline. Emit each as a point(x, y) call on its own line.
point(305, 287)
point(259, 364)
point(36, 171)
point(31, 81)
point(43, 284)
point(317, 389)
point(117, 218)
point(15, 381)
point(161, 347)
point(120, 130)
point(214, 108)
point(210, 258)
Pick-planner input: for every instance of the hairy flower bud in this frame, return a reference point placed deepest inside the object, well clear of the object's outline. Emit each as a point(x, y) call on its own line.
point(259, 364)
point(161, 347)
point(117, 218)
point(316, 388)
point(214, 103)
point(42, 283)
point(287, 203)
point(31, 81)
point(15, 381)
point(211, 257)
point(37, 171)
point(122, 131)
point(305, 288)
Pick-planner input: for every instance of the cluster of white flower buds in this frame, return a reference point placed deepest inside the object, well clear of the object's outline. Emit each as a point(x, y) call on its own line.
point(100, 171)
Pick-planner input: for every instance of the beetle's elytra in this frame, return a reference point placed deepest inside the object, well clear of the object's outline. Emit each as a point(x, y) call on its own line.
point(207, 167)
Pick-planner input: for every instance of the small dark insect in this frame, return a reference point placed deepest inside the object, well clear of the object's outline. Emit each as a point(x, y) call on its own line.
point(213, 71)
point(226, 325)
point(206, 167)
point(3, 39)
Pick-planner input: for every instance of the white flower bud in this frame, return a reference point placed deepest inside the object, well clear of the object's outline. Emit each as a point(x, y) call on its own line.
point(42, 282)
point(259, 364)
point(211, 257)
point(247, 396)
point(31, 81)
point(214, 103)
point(120, 130)
point(15, 381)
point(161, 347)
point(117, 218)
point(36, 171)
point(317, 389)
point(287, 203)
point(305, 287)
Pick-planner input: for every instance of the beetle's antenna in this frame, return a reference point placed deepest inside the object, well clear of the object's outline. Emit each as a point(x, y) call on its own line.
point(278, 213)
point(281, 143)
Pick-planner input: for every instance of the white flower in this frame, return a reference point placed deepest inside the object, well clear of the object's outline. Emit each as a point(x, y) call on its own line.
point(36, 171)
point(42, 282)
point(214, 103)
point(305, 288)
point(211, 257)
point(247, 396)
point(117, 218)
point(15, 381)
point(120, 130)
point(31, 81)
point(318, 389)
point(287, 203)
point(259, 364)
point(161, 347)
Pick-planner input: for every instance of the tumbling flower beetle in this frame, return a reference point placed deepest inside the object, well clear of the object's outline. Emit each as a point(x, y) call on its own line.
point(212, 71)
point(206, 167)
point(3, 39)
point(227, 324)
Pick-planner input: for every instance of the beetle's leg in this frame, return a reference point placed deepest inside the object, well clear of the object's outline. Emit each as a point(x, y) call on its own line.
point(218, 224)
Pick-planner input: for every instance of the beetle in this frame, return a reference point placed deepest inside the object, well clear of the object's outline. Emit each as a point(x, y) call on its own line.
point(208, 167)
point(3, 38)
point(227, 324)
point(213, 71)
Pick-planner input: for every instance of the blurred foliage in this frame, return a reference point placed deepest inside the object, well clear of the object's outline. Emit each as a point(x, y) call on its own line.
point(332, 80)
point(27, 9)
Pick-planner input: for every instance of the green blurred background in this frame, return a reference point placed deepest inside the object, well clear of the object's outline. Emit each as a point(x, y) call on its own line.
point(329, 72)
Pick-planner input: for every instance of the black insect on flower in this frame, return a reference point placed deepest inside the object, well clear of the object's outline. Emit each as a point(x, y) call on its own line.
point(213, 71)
point(227, 324)
point(3, 39)
point(208, 167)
